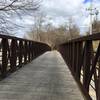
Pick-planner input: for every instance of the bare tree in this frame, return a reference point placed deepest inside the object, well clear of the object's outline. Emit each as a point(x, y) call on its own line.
point(46, 32)
point(96, 26)
point(39, 20)
point(10, 8)
point(73, 30)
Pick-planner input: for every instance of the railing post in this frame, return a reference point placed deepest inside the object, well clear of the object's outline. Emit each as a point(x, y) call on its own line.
point(20, 52)
point(25, 52)
point(81, 56)
point(35, 50)
point(98, 93)
point(4, 44)
point(79, 59)
point(32, 50)
point(71, 54)
point(13, 57)
point(95, 72)
point(73, 57)
point(29, 51)
point(16, 51)
point(87, 63)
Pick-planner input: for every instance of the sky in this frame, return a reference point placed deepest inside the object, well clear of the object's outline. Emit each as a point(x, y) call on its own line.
point(60, 11)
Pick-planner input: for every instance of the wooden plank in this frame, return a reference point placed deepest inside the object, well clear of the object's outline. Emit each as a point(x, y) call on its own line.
point(46, 78)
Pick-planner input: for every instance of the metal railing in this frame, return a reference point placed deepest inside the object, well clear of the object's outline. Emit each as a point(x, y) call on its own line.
point(82, 56)
point(16, 52)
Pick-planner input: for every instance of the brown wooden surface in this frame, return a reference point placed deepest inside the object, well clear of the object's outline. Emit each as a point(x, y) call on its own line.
point(45, 78)
point(16, 52)
point(82, 57)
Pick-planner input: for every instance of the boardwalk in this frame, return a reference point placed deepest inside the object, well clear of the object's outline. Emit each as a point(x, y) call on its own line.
point(46, 78)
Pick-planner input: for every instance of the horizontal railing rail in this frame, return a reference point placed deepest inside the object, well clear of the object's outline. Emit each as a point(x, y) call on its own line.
point(16, 52)
point(82, 55)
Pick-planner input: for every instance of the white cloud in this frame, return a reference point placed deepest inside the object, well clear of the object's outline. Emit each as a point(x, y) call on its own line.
point(61, 9)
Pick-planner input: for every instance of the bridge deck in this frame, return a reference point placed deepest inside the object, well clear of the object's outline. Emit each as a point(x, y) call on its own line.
point(46, 78)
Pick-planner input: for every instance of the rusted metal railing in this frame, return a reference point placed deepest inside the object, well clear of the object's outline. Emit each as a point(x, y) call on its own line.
point(16, 52)
point(82, 55)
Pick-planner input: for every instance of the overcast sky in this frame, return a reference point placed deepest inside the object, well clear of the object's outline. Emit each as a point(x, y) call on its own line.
point(61, 10)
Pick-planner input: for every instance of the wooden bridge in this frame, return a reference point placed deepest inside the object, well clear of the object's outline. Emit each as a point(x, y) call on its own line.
point(30, 70)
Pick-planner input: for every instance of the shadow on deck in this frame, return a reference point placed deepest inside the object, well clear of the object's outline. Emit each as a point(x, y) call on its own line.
point(45, 78)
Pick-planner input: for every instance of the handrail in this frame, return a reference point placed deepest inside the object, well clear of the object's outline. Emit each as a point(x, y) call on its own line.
point(82, 56)
point(16, 52)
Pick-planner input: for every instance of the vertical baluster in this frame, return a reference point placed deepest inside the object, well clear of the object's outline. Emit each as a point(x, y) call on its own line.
point(13, 58)
point(29, 51)
point(79, 59)
point(34, 46)
point(4, 43)
point(93, 71)
point(28, 58)
point(32, 50)
point(32, 54)
point(87, 64)
point(98, 93)
point(70, 53)
point(65, 50)
point(20, 52)
point(73, 57)
point(25, 52)
point(36, 50)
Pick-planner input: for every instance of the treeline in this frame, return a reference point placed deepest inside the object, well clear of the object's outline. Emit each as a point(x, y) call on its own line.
point(48, 33)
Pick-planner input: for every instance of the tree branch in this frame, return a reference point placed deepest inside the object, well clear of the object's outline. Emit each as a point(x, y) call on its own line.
point(3, 8)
